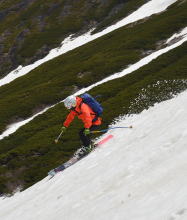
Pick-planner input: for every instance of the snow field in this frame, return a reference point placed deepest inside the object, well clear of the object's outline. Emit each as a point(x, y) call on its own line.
point(140, 174)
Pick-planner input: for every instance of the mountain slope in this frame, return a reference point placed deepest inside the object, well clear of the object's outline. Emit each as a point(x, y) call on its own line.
point(30, 28)
point(140, 174)
point(54, 80)
point(70, 43)
point(146, 60)
point(29, 153)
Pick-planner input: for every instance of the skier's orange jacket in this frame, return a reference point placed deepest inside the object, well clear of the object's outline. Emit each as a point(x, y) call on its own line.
point(83, 112)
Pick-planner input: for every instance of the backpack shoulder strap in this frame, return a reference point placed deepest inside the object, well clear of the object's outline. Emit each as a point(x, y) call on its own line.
point(79, 113)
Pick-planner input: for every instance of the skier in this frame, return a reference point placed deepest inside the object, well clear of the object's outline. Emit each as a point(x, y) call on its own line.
point(90, 119)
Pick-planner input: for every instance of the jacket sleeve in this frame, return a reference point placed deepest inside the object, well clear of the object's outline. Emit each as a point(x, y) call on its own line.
point(69, 118)
point(87, 119)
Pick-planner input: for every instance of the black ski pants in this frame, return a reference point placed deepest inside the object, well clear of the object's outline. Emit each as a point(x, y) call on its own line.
point(86, 139)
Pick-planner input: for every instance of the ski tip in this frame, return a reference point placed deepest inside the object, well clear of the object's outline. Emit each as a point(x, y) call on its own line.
point(51, 173)
point(106, 139)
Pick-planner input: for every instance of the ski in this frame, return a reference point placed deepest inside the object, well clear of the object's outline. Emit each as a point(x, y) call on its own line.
point(104, 140)
point(75, 159)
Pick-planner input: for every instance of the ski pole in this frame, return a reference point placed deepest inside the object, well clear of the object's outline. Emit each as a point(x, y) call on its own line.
point(104, 130)
point(56, 140)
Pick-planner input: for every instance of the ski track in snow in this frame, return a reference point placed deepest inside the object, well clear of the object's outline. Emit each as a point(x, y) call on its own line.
point(140, 174)
point(148, 9)
point(14, 127)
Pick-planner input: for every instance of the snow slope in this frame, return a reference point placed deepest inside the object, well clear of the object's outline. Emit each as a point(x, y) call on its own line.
point(141, 174)
point(182, 36)
point(148, 9)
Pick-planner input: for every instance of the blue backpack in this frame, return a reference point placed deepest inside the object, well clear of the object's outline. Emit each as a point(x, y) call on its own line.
point(93, 104)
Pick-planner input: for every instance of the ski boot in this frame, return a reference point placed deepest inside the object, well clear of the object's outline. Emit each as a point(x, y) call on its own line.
point(83, 151)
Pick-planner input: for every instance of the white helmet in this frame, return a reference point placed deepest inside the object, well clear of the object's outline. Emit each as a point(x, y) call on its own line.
point(70, 102)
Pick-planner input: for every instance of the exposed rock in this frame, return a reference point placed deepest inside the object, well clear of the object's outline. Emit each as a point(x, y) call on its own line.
point(83, 74)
